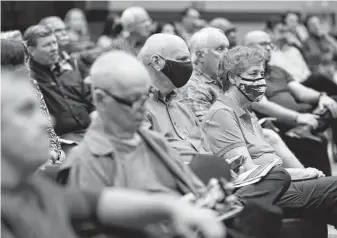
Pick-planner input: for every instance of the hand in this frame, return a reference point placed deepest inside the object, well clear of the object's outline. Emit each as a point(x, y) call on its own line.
point(188, 219)
point(316, 172)
point(329, 103)
point(298, 174)
point(307, 119)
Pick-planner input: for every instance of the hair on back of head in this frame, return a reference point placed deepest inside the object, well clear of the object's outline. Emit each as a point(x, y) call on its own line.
point(237, 60)
point(34, 32)
point(13, 52)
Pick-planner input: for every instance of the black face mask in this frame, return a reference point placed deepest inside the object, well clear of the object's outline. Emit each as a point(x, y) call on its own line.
point(178, 72)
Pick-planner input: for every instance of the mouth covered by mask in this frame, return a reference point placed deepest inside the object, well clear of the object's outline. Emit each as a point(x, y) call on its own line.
point(178, 72)
point(252, 92)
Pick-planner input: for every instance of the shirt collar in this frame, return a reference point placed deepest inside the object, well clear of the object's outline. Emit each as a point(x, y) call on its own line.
point(206, 78)
point(157, 95)
point(97, 140)
point(232, 104)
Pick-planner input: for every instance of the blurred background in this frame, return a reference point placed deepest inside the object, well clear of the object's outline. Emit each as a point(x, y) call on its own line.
point(246, 15)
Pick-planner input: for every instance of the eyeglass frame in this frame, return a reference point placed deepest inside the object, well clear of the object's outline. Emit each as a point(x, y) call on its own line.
point(122, 101)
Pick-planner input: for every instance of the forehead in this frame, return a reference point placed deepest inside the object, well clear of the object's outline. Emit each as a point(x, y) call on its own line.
point(292, 16)
point(216, 39)
point(313, 20)
point(76, 14)
point(45, 40)
point(141, 16)
point(254, 67)
point(57, 24)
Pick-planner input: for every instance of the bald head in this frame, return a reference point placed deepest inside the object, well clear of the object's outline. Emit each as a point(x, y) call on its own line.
point(168, 46)
point(256, 37)
point(207, 38)
point(111, 71)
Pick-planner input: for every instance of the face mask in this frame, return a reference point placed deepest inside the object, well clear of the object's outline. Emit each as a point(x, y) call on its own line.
point(253, 93)
point(178, 72)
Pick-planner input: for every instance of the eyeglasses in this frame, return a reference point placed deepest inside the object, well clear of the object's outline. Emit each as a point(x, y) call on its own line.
point(134, 104)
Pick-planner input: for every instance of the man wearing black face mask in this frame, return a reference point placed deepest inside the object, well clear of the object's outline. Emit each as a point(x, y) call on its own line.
point(168, 60)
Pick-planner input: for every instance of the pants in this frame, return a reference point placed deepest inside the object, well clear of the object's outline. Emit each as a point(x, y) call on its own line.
point(314, 200)
point(262, 218)
point(321, 83)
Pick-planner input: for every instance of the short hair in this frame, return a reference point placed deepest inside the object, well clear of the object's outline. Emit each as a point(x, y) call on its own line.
point(35, 32)
point(13, 52)
point(128, 17)
point(236, 61)
point(186, 10)
point(47, 20)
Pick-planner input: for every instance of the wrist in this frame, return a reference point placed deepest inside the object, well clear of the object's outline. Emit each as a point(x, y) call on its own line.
point(321, 94)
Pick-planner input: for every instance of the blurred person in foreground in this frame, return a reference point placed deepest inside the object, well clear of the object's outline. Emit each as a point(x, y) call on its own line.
point(304, 111)
point(203, 88)
point(228, 28)
point(117, 144)
point(34, 207)
point(67, 97)
point(320, 49)
point(231, 129)
point(14, 54)
point(168, 61)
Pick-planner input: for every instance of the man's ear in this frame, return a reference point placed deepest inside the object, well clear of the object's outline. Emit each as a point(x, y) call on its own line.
point(200, 54)
point(231, 78)
point(30, 50)
point(157, 63)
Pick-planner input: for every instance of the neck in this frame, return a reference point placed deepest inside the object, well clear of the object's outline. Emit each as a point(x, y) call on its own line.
point(10, 176)
point(238, 98)
point(115, 130)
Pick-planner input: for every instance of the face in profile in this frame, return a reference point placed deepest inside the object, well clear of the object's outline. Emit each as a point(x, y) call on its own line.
point(24, 135)
point(46, 50)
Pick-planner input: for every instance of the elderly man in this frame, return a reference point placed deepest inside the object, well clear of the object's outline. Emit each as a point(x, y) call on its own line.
point(227, 27)
point(206, 46)
point(116, 146)
point(34, 207)
point(292, 104)
point(68, 99)
point(168, 60)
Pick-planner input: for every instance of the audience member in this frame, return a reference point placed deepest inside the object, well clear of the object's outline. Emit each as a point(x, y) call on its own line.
point(320, 49)
point(227, 27)
point(206, 46)
point(68, 99)
point(292, 104)
point(166, 28)
point(14, 54)
point(111, 30)
point(78, 29)
point(34, 207)
point(293, 22)
point(186, 26)
point(16, 35)
point(231, 129)
point(168, 60)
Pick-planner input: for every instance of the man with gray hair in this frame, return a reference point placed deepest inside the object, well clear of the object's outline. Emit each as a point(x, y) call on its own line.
point(206, 46)
point(168, 60)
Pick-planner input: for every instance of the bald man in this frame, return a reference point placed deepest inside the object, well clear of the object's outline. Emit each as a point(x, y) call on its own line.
point(293, 104)
point(168, 60)
point(206, 46)
point(227, 27)
point(34, 206)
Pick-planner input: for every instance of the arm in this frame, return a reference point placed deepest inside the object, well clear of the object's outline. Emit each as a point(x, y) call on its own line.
point(135, 210)
point(303, 93)
point(272, 109)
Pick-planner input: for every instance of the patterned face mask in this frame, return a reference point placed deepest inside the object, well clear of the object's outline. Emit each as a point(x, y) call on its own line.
point(252, 92)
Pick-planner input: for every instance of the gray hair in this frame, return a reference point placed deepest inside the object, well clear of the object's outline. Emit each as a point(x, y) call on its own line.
point(236, 61)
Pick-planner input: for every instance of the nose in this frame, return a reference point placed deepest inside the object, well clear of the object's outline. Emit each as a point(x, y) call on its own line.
point(54, 47)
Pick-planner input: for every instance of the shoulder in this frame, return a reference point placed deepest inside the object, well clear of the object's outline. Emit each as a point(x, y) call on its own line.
point(219, 110)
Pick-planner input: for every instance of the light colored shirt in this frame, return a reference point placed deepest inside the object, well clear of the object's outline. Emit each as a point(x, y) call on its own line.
point(175, 121)
point(102, 160)
point(199, 93)
point(227, 126)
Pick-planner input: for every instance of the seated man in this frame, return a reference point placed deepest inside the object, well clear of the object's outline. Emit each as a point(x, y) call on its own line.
point(68, 99)
point(231, 129)
point(34, 207)
point(168, 60)
point(117, 151)
point(293, 104)
point(204, 87)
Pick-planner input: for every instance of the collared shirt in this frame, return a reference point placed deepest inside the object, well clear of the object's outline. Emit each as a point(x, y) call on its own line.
point(102, 160)
point(175, 121)
point(38, 208)
point(68, 99)
point(199, 93)
point(227, 126)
